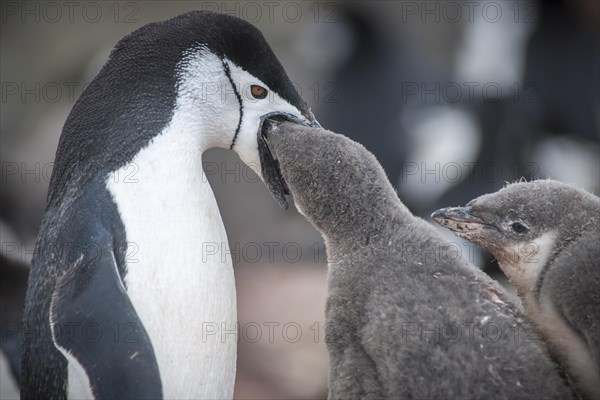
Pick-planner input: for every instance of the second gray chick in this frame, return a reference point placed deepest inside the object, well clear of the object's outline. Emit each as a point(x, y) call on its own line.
point(546, 237)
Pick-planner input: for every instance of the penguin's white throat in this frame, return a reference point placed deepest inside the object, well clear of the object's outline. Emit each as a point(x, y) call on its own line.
point(170, 218)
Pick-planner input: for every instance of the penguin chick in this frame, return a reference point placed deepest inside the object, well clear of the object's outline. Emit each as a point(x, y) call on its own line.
point(546, 237)
point(406, 315)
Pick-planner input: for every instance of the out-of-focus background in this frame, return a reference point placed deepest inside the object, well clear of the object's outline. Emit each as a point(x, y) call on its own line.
point(454, 99)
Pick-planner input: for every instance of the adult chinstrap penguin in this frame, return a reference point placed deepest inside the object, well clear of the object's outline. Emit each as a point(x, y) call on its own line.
point(546, 237)
point(118, 297)
point(406, 316)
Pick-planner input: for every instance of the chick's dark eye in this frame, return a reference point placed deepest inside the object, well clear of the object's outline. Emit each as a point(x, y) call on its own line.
point(258, 92)
point(519, 227)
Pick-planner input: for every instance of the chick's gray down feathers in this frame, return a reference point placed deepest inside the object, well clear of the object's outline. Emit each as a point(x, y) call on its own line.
point(552, 259)
point(406, 315)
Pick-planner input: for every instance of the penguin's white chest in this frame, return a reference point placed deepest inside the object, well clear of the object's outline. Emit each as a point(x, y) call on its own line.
point(183, 292)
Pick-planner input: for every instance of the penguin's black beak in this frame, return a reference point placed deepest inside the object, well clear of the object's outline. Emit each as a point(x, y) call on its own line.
point(268, 163)
point(459, 219)
point(461, 214)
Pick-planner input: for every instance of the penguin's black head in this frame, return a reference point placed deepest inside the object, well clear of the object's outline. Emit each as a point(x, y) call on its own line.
point(213, 76)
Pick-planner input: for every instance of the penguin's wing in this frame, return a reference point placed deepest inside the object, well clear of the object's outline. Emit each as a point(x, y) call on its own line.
point(575, 290)
point(93, 321)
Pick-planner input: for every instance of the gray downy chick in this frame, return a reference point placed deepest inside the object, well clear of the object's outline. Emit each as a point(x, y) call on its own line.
point(546, 237)
point(406, 315)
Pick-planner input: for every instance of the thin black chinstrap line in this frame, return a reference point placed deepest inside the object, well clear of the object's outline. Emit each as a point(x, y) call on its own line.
point(239, 98)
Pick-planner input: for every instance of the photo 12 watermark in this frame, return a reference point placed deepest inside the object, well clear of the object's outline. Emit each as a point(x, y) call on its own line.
point(52, 12)
point(452, 12)
point(40, 92)
point(277, 11)
point(466, 171)
point(483, 330)
point(469, 92)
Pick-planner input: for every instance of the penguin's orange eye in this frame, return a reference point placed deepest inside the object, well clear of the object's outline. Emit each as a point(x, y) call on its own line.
point(258, 92)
